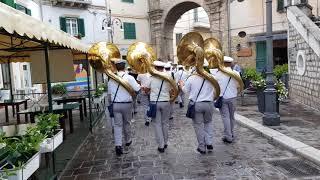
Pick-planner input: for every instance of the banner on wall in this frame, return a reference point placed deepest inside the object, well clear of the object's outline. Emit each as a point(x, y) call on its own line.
point(80, 69)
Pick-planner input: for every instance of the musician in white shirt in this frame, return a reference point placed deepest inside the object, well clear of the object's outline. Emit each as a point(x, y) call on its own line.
point(122, 106)
point(203, 98)
point(168, 70)
point(181, 75)
point(143, 80)
point(229, 90)
point(160, 96)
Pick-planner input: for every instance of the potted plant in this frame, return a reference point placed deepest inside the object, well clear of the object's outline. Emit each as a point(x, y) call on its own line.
point(4, 94)
point(48, 124)
point(249, 75)
point(20, 156)
point(282, 93)
point(59, 89)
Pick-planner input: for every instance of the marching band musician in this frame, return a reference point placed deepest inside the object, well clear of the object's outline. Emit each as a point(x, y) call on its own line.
point(229, 89)
point(181, 75)
point(122, 106)
point(201, 93)
point(168, 70)
point(143, 80)
point(160, 95)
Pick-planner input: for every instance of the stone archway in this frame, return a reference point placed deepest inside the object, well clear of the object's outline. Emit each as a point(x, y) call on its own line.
point(165, 13)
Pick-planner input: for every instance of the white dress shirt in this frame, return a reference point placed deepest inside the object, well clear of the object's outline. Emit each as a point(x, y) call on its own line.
point(193, 85)
point(154, 85)
point(181, 75)
point(144, 79)
point(122, 94)
point(232, 90)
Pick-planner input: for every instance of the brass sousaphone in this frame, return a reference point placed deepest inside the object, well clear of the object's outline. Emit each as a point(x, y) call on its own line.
point(214, 56)
point(101, 56)
point(140, 57)
point(191, 53)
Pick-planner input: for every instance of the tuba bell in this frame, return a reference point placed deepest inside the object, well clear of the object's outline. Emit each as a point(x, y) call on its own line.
point(102, 57)
point(191, 53)
point(214, 56)
point(140, 57)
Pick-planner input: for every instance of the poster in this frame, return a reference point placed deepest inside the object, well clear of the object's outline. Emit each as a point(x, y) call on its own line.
point(80, 70)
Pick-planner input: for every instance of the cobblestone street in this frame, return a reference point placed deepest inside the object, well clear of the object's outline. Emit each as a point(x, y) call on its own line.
point(250, 157)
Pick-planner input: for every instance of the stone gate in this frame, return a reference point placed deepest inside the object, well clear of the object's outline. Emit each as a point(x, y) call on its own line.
point(165, 13)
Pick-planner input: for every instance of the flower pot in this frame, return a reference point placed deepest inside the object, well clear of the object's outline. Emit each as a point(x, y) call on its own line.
point(5, 94)
point(285, 79)
point(246, 83)
point(50, 144)
point(26, 170)
point(261, 100)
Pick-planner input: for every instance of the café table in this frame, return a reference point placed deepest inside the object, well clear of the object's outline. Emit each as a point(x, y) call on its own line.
point(80, 99)
point(15, 107)
point(58, 109)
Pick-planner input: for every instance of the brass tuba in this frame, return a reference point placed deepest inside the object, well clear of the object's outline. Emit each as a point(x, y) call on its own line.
point(214, 55)
point(190, 53)
point(140, 57)
point(101, 56)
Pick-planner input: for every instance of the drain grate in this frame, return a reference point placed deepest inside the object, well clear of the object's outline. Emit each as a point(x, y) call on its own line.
point(296, 167)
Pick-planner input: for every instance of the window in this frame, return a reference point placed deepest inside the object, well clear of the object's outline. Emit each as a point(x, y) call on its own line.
point(128, 1)
point(195, 15)
point(73, 26)
point(178, 38)
point(23, 9)
point(129, 30)
point(8, 2)
point(280, 6)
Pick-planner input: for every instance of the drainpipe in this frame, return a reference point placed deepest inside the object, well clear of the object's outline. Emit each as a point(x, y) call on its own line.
point(229, 28)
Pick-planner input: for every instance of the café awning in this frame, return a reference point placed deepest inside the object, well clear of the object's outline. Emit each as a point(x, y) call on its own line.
point(20, 34)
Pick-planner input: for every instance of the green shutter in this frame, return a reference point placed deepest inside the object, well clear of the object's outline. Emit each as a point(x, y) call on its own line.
point(63, 25)
point(261, 59)
point(9, 3)
point(81, 28)
point(127, 1)
point(280, 6)
point(129, 30)
point(28, 11)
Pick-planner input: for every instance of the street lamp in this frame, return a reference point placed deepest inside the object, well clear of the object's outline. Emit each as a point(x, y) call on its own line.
point(271, 116)
point(108, 23)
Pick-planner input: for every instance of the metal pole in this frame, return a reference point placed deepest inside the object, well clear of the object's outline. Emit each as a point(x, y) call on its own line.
point(271, 117)
point(111, 26)
point(10, 80)
point(89, 94)
point(96, 79)
point(46, 56)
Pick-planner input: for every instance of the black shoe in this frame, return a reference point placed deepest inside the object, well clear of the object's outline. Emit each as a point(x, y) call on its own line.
point(176, 102)
point(139, 102)
point(134, 112)
point(209, 147)
point(225, 140)
point(147, 123)
point(171, 118)
point(165, 146)
point(181, 105)
point(129, 143)
point(161, 150)
point(119, 151)
point(200, 151)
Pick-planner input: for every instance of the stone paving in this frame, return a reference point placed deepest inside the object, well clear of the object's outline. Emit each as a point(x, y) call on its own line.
point(297, 121)
point(247, 158)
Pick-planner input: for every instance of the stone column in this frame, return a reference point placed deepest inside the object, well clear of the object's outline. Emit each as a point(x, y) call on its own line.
point(156, 30)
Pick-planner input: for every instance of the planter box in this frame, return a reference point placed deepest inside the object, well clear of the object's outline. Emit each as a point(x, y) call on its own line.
point(50, 144)
point(27, 169)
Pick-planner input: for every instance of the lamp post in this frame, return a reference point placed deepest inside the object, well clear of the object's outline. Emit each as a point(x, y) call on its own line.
point(271, 117)
point(108, 23)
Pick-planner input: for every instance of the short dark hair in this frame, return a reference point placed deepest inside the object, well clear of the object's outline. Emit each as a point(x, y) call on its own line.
point(159, 68)
point(121, 66)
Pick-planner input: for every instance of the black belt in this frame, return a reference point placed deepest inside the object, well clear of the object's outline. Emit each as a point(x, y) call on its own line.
point(123, 102)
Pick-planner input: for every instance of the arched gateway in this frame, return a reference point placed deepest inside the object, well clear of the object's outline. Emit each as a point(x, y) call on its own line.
point(165, 13)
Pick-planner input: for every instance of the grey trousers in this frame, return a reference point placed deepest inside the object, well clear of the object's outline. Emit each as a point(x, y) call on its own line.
point(203, 125)
point(161, 123)
point(227, 114)
point(171, 109)
point(181, 97)
point(144, 99)
point(122, 118)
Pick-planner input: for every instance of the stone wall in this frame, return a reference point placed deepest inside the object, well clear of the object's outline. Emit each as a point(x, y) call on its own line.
point(304, 86)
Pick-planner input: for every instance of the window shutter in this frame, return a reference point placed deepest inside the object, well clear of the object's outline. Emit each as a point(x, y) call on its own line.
point(81, 28)
point(128, 1)
point(28, 11)
point(280, 6)
point(9, 3)
point(63, 25)
point(129, 30)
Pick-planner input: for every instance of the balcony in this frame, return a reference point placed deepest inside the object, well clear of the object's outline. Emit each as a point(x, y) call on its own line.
point(82, 4)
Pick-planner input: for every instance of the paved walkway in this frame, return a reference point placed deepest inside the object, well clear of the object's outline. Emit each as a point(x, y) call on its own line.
point(297, 121)
point(250, 157)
